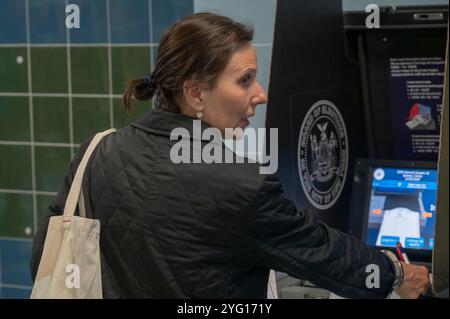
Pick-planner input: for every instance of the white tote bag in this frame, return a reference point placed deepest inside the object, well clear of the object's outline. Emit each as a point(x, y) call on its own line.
point(70, 262)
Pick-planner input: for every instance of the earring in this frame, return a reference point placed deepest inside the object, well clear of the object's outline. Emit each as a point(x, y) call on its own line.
point(199, 115)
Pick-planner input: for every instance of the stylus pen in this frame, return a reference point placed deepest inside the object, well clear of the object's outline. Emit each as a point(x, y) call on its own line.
point(398, 250)
point(403, 253)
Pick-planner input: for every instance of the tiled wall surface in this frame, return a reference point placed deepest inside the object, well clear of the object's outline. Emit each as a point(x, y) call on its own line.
point(57, 88)
point(60, 86)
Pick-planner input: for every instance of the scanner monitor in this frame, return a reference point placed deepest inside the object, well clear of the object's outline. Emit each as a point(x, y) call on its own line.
point(395, 201)
point(402, 207)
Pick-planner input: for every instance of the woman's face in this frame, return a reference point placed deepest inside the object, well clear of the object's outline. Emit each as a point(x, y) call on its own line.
point(237, 93)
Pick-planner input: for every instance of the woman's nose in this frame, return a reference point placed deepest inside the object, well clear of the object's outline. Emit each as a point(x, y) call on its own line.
point(261, 96)
point(264, 97)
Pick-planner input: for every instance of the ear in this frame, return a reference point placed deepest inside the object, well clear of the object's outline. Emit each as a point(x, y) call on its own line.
point(194, 95)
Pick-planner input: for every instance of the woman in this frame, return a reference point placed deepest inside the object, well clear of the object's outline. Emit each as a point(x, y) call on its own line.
point(177, 230)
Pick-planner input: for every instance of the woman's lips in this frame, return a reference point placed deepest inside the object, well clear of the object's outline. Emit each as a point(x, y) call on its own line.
point(246, 122)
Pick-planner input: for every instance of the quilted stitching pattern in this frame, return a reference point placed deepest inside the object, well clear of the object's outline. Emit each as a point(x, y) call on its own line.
point(203, 230)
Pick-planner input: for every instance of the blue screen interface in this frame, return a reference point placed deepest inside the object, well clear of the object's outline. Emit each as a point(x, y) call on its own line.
point(402, 208)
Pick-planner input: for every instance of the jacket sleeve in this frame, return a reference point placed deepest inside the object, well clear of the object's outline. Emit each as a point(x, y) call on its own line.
point(293, 241)
point(54, 209)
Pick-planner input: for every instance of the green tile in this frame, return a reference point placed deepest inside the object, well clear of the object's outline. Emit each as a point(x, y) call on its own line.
point(122, 118)
point(129, 63)
point(49, 70)
point(14, 119)
point(89, 70)
point(90, 115)
point(43, 201)
point(15, 167)
point(16, 215)
point(51, 166)
point(51, 119)
point(13, 70)
point(75, 150)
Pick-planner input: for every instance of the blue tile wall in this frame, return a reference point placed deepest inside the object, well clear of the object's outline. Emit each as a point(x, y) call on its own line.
point(130, 21)
point(12, 21)
point(260, 13)
point(15, 257)
point(47, 21)
point(166, 12)
point(14, 293)
point(93, 22)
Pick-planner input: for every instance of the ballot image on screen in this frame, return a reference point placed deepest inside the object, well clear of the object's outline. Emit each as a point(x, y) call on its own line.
point(402, 208)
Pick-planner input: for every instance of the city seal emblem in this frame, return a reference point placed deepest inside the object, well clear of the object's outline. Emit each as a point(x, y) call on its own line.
point(323, 154)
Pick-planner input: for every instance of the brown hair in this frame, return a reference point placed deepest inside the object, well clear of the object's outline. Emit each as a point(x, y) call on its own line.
point(197, 47)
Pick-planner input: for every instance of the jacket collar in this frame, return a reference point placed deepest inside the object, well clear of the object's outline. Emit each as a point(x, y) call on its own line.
point(162, 123)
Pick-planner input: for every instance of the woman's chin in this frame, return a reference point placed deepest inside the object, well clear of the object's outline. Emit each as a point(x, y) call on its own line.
point(236, 133)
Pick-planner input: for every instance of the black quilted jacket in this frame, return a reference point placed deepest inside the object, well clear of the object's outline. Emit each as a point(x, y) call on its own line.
point(203, 230)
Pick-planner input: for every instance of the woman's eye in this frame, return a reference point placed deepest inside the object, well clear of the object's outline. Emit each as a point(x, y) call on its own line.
point(245, 81)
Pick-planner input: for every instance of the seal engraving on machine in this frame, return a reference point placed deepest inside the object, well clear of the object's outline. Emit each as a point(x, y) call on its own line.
point(322, 154)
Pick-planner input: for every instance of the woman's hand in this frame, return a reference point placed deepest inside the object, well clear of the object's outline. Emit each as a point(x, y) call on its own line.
point(416, 281)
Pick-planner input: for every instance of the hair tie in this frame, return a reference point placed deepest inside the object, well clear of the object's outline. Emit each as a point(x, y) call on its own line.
point(149, 81)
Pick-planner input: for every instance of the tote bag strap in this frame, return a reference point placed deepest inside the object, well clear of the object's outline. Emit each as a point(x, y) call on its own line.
point(75, 193)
